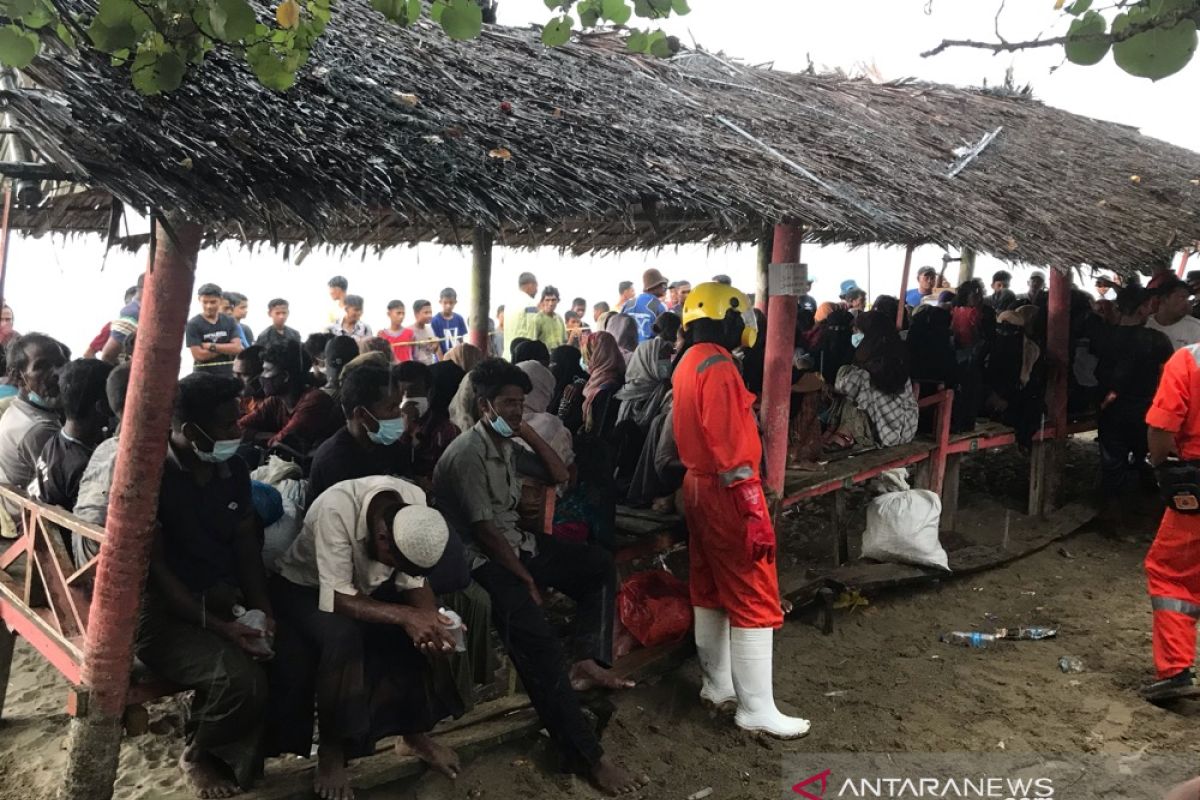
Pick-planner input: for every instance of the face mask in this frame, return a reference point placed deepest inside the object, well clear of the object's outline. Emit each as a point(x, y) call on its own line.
point(46, 404)
point(422, 404)
point(222, 449)
point(857, 338)
point(499, 424)
point(390, 430)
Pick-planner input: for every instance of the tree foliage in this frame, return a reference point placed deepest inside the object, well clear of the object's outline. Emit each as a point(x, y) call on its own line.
point(159, 41)
point(1148, 38)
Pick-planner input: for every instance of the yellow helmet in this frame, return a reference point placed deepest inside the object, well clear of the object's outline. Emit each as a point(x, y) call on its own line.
point(713, 301)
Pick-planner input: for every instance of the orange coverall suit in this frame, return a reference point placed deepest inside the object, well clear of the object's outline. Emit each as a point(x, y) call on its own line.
point(719, 444)
point(1173, 563)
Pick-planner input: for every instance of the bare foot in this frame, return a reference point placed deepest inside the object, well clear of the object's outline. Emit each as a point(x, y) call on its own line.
point(208, 777)
point(437, 756)
point(332, 781)
point(613, 779)
point(587, 674)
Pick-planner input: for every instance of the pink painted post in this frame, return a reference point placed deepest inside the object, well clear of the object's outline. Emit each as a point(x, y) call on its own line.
point(777, 367)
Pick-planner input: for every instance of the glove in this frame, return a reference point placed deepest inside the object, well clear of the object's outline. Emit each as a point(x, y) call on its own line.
point(760, 534)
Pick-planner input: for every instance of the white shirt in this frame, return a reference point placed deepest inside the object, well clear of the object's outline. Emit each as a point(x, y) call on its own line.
point(1183, 333)
point(331, 551)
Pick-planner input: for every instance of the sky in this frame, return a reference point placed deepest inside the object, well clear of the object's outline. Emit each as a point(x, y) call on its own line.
point(70, 288)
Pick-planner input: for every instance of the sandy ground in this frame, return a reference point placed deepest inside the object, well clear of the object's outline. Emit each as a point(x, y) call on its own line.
point(882, 681)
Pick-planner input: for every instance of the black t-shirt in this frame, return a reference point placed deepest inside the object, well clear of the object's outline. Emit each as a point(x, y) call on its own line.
point(342, 458)
point(200, 523)
point(271, 337)
point(1131, 359)
point(59, 468)
point(201, 332)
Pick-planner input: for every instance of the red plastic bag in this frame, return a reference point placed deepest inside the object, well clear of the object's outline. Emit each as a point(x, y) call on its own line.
point(655, 607)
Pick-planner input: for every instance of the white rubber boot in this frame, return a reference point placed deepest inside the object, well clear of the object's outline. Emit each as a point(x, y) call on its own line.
point(712, 645)
point(751, 659)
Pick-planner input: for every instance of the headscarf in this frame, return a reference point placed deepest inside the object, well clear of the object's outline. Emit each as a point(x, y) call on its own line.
point(1024, 318)
point(606, 366)
point(824, 310)
point(564, 363)
point(931, 352)
point(463, 412)
point(444, 379)
point(531, 350)
point(882, 353)
point(624, 331)
point(548, 426)
point(465, 355)
point(646, 381)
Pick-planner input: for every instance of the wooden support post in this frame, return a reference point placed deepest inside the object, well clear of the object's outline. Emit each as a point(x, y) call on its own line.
point(94, 740)
point(781, 343)
point(1058, 335)
point(908, 253)
point(841, 529)
point(762, 288)
point(1183, 262)
point(481, 289)
point(950, 492)
point(8, 640)
point(4, 239)
point(966, 266)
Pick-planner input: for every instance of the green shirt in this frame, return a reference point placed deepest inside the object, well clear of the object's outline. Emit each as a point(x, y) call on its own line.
point(475, 481)
point(550, 330)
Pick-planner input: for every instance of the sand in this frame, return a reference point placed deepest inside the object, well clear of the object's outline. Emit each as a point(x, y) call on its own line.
point(881, 682)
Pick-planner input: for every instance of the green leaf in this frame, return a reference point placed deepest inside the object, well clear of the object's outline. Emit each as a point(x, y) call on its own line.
point(681, 7)
point(638, 42)
point(557, 31)
point(232, 20)
point(652, 9)
point(659, 46)
point(39, 17)
point(589, 12)
point(436, 10)
point(65, 35)
point(404, 12)
point(1086, 41)
point(617, 12)
point(553, 5)
point(156, 73)
point(111, 38)
point(17, 47)
point(462, 19)
point(1155, 53)
point(17, 9)
point(270, 70)
point(1078, 7)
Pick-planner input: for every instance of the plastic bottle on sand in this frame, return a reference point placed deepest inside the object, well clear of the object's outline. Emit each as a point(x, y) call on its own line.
point(969, 638)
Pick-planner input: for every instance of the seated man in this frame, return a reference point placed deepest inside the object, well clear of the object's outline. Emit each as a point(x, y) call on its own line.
point(32, 419)
point(359, 621)
point(91, 500)
point(294, 413)
point(207, 559)
point(64, 458)
point(476, 486)
point(367, 444)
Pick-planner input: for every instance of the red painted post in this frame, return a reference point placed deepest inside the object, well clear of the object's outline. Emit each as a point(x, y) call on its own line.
point(1058, 336)
point(1187, 253)
point(777, 366)
point(481, 289)
point(94, 740)
point(908, 253)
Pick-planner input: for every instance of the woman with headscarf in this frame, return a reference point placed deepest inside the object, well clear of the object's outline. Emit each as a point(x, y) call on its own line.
point(931, 347)
point(1015, 373)
point(433, 431)
point(569, 379)
point(624, 331)
point(606, 376)
point(647, 378)
point(973, 324)
point(531, 350)
point(878, 385)
point(754, 358)
point(537, 403)
point(837, 347)
point(465, 355)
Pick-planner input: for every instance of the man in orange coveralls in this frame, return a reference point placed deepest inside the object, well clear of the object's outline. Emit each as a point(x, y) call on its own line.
point(1173, 563)
point(734, 588)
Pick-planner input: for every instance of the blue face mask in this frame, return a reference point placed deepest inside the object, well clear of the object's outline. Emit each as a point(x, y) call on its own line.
point(51, 404)
point(222, 449)
point(857, 338)
point(390, 430)
point(499, 424)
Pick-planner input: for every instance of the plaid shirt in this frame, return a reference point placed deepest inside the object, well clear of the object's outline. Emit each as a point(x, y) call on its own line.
point(894, 417)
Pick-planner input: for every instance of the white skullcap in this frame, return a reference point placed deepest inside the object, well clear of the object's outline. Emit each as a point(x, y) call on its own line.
point(420, 534)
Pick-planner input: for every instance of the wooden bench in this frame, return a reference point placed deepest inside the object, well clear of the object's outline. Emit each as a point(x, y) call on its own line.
point(45, 599)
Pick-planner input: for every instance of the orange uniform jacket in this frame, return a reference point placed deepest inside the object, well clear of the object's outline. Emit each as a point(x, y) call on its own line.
point(1173, 563)
point(719, 444)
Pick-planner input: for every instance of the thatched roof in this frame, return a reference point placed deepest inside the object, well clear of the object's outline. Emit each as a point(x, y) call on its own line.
point(607, 150)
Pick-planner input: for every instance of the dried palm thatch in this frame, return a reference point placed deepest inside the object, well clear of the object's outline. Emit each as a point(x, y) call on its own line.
point(401, 136)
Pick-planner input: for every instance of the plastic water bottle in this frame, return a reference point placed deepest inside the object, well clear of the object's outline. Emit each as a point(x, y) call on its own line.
point(257, 619)
point(969, 638)
point(1032, 633)
point(455, 628)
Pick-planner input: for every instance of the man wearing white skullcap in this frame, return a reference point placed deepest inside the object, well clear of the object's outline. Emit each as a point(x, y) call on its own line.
point(357, 620)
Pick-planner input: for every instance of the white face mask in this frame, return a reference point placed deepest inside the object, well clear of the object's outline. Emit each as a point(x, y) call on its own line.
point(422, 404)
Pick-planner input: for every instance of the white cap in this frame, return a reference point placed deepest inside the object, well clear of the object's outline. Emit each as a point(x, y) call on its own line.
point(420, 534)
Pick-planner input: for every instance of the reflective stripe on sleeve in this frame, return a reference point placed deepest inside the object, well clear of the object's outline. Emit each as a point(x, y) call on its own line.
point(711, 361)
point(742, 473)
point(1175, 604)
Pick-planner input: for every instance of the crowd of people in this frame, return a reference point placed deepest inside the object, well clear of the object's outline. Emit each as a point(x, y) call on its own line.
point(337, 510)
